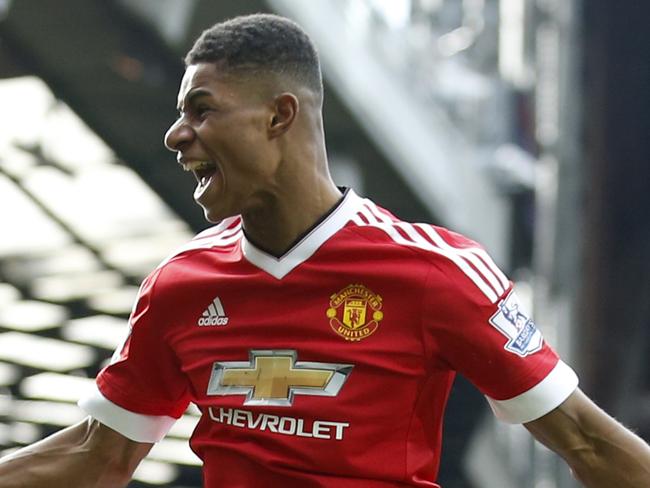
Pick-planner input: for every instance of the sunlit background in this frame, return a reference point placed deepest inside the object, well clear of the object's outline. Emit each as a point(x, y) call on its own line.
point(517, 122)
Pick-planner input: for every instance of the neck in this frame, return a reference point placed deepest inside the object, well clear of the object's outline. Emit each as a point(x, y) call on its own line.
point(277, 225)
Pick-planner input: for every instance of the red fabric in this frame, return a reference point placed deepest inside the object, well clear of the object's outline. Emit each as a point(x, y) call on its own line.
point(435, 322)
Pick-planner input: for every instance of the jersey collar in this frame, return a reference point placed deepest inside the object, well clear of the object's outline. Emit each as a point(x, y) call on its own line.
point(308, 245)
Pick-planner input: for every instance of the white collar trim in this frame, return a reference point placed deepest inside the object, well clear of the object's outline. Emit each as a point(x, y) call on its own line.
point(308, 245)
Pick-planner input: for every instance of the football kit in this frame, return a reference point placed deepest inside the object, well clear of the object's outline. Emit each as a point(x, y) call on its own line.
point(331, 365)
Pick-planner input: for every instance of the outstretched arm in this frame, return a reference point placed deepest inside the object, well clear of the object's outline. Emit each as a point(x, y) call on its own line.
point(600, 451)
point(88, 454)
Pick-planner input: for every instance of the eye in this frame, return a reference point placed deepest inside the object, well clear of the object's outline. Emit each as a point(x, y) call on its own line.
point(202, 111)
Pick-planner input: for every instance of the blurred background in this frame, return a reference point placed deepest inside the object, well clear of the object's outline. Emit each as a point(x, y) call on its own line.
point(521, 123)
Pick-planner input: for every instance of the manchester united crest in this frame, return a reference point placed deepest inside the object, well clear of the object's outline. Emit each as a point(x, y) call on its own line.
point(355, 312)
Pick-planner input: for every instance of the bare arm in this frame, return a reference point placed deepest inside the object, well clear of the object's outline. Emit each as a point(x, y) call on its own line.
point(600, 451)
point(86, 455)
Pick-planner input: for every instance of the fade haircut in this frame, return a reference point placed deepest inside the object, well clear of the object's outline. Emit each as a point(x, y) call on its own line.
point(259, 43)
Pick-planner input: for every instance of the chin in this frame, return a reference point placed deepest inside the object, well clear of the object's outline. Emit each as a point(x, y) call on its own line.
point(215, 216)
point(212, 217)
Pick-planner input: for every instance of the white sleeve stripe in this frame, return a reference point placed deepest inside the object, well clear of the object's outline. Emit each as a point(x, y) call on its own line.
point(505, 282)
point(357, 220)
point(473, 255)
point(135, 426)
point(220, 234)
point(221, 227)
point(421, 243)
point(540, 399)
point(225, 240)
point(205, 243)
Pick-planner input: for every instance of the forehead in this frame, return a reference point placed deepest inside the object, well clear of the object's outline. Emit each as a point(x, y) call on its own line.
point(197, 76)
point(208, 79)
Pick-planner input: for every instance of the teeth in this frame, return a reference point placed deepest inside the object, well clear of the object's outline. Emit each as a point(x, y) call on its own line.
point(197, 165)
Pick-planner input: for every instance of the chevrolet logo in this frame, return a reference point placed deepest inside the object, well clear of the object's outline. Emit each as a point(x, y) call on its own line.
point(274, 377)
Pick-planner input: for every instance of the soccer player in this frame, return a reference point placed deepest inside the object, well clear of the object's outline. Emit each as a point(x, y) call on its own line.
point(318, 334)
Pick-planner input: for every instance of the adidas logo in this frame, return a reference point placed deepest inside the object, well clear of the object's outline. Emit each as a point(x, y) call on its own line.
point(213, 315)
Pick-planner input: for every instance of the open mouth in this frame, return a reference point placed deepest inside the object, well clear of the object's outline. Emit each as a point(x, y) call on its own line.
point(202, 170)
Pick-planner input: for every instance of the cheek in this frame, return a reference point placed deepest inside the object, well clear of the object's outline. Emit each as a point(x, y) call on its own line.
point(241, 145)
point(251, 153)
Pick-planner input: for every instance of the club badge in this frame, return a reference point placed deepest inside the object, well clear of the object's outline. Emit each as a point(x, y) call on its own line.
point(354, 312)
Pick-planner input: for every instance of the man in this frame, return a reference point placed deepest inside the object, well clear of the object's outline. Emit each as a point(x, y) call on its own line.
point(318, 334)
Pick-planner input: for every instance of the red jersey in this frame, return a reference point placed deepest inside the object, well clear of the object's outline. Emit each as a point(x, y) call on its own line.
point(331, 365)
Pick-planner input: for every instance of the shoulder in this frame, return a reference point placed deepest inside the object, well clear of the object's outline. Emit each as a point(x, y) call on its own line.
point(432, 239)
point(452, 258)
point(205, 248)
point(222, 236)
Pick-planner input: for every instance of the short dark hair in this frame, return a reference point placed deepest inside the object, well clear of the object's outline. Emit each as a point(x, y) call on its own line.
point(260, 42)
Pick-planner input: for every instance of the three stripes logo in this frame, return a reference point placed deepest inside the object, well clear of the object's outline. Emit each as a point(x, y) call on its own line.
point(472, 260)
point(213, 315)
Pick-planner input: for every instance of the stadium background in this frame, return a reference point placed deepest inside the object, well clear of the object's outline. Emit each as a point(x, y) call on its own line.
point(522, 123)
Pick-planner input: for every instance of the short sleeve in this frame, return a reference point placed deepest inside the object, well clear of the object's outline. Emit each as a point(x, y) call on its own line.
point(476, 325)
point(142, 391)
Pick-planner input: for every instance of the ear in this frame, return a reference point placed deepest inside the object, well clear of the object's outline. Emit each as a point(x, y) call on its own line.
point(285, 112)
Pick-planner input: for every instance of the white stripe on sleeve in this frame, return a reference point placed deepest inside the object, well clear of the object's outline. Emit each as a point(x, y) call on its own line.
point(540, 399)
point(480, 261)
point(390, 228)
point(135, 426)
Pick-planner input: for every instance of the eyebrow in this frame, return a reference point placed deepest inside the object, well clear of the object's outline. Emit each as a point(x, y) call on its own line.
point(192, 96)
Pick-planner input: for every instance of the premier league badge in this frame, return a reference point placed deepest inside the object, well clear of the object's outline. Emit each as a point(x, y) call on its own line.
point(510, 319)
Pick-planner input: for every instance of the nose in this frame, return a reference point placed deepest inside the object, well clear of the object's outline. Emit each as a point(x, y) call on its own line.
point(178, 136)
